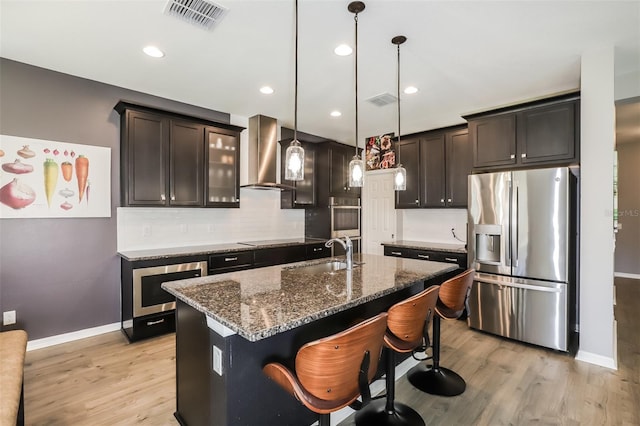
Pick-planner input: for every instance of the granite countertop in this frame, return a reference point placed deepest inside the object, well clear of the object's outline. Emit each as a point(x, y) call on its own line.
point(163, 253)
point(426, 245)
point(259, 303)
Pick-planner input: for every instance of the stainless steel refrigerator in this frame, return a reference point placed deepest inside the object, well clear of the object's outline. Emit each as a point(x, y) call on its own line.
point(523, 242)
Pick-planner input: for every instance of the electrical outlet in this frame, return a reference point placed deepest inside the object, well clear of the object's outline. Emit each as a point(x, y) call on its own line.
point(146, 231)
point(217, 360)
point(9, 317)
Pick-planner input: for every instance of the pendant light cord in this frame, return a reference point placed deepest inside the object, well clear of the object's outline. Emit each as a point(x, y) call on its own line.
point(295, 106)
point(355, 18)
point(398, 92)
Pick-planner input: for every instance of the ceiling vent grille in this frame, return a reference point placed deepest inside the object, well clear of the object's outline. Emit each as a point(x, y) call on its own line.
point(383, 99)
point(200, 13)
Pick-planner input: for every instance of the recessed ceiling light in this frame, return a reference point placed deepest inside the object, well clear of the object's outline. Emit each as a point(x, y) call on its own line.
point(336, 113)
point(343, 50)
point(153, 51)
point(411, 90)
point(266, 90)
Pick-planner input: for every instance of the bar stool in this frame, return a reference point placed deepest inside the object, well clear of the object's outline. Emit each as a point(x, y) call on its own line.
point(452, 300)
point(331, 373)
point(406, 327)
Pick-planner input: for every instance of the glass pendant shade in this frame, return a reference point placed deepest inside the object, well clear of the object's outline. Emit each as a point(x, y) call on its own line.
point(356, 172)
point(294, 162)
point(400, 178)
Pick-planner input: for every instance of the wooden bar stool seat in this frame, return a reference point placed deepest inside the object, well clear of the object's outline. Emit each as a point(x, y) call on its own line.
point(332, 372)
point(406, 327)
point(452, 302)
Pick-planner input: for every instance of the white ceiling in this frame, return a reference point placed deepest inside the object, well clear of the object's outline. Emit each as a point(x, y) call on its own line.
point(464, 56)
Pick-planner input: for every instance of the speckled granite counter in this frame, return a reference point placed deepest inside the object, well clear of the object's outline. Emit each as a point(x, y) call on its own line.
point(425, 245)
point(260, 303)
point(163, 253)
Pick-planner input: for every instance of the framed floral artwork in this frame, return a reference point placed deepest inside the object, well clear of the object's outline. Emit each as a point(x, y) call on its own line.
point(380, 152)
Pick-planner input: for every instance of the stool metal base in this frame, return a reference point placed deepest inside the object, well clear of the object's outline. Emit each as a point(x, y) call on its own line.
point(375, 414)
point(436, 381)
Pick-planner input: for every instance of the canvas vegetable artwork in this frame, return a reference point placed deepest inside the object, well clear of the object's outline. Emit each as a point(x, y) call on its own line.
point(17, 194)
point(51, 179)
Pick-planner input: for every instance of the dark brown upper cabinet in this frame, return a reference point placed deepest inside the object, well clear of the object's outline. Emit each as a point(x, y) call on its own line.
point(408, 154)
point(304, 194)
point(437, 163)
point(540, 133)
point(339, 158)
point(222, 168)
point(186, 162)
point(171, 160)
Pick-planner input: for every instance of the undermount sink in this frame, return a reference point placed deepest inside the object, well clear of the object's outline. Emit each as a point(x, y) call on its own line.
point(318, 268)
point(330, 266)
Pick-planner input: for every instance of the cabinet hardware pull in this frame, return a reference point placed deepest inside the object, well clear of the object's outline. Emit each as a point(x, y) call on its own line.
point(513, 156)
point(451, 259)
point(448, 200)
point(442, 200)
point(423, 256)
point(396, 253)
point(230, 259)
point(173, 198)
point(417, 201)
point(524, 155)
point(162, 197)
point(155, 322)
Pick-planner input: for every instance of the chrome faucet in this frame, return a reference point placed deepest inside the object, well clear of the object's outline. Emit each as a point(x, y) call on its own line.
point(348, 248)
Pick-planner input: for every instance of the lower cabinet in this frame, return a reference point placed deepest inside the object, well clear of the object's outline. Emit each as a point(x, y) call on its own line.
point(434, 255)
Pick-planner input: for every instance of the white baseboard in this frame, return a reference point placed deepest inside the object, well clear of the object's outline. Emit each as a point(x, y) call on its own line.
point(70, 337)
point(626, 275)
point(602, 361)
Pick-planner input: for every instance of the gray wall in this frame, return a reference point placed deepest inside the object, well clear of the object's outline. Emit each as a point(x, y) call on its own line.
point(627, 258)
point(63, 275)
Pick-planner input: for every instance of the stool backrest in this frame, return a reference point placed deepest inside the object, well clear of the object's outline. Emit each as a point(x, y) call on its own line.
point(454, 291)
point(328, 368)
point(407, 318)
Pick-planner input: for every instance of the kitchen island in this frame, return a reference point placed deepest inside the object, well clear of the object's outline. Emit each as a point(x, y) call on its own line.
point(228, 326)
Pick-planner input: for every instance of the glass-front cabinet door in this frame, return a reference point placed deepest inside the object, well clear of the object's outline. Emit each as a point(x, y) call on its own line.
point(223, 165)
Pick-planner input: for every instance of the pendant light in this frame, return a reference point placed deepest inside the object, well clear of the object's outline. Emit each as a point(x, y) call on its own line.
point(400, 175)
point(294, 156)
point(356, 166)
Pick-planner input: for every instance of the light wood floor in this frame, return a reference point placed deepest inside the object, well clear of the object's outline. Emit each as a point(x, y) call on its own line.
point(105, 381)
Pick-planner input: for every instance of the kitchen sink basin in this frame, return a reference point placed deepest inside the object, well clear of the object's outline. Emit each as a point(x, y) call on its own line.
point(319, 268)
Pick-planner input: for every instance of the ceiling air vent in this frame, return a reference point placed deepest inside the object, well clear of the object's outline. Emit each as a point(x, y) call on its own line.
point(383, 99)
point(200, 13)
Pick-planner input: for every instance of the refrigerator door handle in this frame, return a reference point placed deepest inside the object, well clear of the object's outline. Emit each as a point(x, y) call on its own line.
point(501, 285)
point(507, 234)
point(516, 224)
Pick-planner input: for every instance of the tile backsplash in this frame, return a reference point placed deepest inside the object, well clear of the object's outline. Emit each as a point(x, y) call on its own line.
point(258, 218)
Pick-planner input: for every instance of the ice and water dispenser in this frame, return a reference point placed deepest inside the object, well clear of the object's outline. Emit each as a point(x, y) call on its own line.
point(488, 244)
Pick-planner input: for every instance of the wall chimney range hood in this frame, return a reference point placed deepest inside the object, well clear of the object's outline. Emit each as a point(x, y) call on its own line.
point(263, 153)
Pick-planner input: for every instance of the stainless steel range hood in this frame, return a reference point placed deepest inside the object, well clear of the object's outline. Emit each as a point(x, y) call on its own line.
point(263, 154)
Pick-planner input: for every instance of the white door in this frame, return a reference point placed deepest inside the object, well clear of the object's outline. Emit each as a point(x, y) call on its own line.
point(379, 219)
